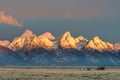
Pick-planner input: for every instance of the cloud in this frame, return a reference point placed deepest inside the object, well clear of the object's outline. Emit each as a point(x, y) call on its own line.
point(8, 20)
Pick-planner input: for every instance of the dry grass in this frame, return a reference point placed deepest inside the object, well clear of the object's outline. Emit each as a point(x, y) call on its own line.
point(58, 74)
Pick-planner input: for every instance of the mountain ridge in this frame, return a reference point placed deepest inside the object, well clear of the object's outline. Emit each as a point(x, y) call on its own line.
point(47, 41)
point(45, 49)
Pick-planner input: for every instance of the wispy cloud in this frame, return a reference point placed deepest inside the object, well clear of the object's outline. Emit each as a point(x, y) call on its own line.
point(8, 20)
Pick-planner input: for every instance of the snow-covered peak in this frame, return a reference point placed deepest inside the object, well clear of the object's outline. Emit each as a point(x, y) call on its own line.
point(4, 43)
point(47, 35)
point(26, 34)
point(80, 38)
point(28, 41)
point(98, 44)
point(31, 43)
point(67, 41)
point(117, 46)
point(80, 42)
point(19, 44)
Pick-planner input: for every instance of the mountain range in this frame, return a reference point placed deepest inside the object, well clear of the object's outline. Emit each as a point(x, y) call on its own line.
point(46, 49)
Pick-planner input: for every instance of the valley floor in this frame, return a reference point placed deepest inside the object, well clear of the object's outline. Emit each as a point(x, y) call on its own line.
point(58, 74)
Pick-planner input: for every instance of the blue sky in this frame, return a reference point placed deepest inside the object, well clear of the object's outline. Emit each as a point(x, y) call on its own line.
point(81, 17)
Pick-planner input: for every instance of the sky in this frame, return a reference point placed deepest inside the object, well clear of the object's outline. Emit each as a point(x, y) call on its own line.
point(81, 17)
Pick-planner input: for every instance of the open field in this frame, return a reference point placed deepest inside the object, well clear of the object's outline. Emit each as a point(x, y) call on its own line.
point(58, 74)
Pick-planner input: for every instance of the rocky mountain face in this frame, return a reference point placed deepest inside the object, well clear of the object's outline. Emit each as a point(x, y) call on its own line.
point(45, 49)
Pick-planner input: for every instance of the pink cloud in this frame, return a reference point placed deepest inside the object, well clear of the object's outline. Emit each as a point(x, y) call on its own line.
point(8, 20)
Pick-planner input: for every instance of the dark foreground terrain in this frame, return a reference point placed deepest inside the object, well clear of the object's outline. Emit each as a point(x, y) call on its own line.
point(58, 74)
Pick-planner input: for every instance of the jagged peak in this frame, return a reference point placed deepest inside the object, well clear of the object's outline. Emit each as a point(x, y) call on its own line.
point(4, 43)
point(47, 41)
point(100, 45)
point(26, 34)
point(97, 39)
point(80, 38)
point(67, 41)
point(117, 46)
point(17, 44)
point(66, 35)
point(47, 35)
point(80, 42)
point(29, 43)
